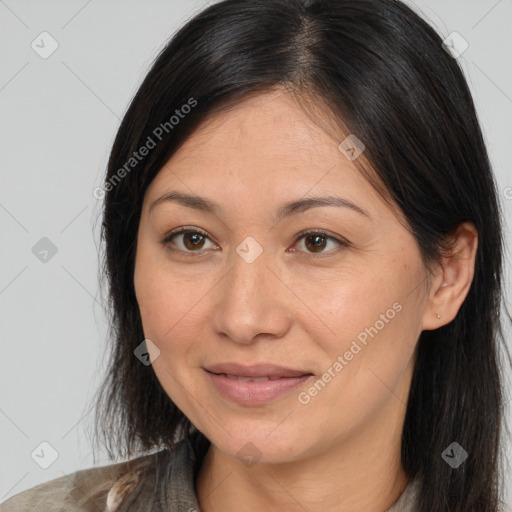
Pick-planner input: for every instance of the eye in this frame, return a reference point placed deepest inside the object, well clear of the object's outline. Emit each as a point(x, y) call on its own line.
point(317, 240)
point(192, 240)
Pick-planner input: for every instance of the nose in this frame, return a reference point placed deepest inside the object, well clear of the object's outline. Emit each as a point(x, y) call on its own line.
point(251, 302)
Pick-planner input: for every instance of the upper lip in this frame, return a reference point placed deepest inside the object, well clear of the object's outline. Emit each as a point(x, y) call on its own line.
point(256, 370)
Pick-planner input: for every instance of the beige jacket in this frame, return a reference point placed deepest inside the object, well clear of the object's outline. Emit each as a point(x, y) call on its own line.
point(163, 481)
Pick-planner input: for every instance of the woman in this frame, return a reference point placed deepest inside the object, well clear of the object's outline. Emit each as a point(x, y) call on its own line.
point(304, 253)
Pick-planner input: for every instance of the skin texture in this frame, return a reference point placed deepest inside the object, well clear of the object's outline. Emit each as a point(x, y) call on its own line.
point(341, 450)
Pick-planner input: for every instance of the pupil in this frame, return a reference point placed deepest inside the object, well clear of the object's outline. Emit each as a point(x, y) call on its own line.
point(195, 239)
point(316, 238)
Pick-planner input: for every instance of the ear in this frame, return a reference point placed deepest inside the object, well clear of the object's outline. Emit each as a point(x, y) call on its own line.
point(452, 278)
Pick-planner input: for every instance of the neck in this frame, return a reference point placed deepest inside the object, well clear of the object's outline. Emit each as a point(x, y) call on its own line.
point(360, 473)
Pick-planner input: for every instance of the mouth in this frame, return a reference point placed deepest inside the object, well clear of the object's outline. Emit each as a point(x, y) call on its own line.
point(256, 384)
point(248, 379)
point(256, 371)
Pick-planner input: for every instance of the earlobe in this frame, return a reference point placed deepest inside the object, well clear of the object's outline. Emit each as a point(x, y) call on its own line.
point(453, 278)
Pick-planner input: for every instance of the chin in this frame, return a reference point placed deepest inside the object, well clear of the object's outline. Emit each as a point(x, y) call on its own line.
point(253, 444)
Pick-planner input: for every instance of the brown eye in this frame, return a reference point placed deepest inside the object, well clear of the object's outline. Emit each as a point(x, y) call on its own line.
point(193, 240)
point(186, 240)
point(317, 241)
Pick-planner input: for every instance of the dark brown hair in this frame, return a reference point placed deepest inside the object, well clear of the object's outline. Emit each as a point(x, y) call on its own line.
point(383, 73)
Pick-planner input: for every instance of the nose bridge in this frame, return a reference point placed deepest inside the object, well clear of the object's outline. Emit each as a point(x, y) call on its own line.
point(249, 270)
point(250, 302)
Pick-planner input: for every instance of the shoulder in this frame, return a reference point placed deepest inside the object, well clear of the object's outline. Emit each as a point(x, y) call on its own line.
point(409, 499)
point(505, 508)
point(107, 488)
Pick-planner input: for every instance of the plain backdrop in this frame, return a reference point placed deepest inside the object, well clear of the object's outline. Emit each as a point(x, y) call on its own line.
point(58, 118)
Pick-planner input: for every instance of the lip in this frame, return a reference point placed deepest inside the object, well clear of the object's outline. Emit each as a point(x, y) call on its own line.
point(282, 380)
point(256, 370)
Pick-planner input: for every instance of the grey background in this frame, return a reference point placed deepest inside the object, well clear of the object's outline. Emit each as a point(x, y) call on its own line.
point(58, 118)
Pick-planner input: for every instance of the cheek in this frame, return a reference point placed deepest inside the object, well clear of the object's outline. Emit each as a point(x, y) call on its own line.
point(169, 320)
point(168, 306)
point(373, 322)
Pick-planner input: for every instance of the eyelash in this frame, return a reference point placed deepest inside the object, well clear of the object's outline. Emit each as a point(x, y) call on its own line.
point(300, 236)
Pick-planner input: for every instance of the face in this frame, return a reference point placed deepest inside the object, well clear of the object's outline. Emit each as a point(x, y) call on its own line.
point(238, 290)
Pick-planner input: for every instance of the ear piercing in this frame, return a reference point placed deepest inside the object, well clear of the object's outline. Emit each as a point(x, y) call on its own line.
point(438, 316)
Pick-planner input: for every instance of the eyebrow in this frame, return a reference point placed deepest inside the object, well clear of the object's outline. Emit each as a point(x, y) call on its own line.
point(285, 210)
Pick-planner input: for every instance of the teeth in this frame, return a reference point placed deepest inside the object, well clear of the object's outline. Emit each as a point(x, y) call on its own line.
point(246, 379)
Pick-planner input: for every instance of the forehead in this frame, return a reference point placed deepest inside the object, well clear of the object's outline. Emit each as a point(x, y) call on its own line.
point(266, 149)
point(271, 124)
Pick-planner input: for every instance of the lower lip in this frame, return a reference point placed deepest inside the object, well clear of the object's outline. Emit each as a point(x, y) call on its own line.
point(255, 393)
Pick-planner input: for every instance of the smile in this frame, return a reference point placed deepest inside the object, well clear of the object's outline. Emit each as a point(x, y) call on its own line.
point(254, 390)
